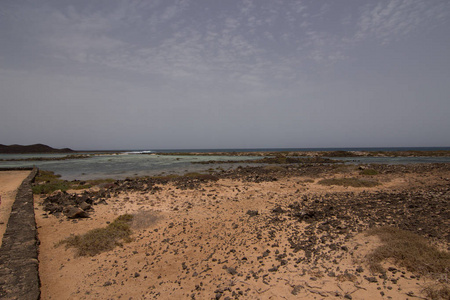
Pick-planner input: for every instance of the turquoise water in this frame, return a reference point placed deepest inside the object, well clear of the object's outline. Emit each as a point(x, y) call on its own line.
point(120, 166)
point(131, 164)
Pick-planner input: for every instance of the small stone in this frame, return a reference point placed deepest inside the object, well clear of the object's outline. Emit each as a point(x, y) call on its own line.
point(232, 271)
point(85, 206)
point(252, 213)
point(296, 290)
point(74, 212)
point(392, 269)
point(274, 269)
point(108, 283)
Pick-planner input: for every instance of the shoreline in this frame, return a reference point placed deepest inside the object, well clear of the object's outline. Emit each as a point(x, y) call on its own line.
point(125, 166)
point(407, 152)
point(252, 232)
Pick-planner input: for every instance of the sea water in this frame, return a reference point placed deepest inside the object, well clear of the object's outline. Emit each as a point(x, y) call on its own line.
point(144, 163)
point(120, 166)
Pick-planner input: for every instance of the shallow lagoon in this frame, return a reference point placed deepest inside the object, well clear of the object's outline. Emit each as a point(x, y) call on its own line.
point(120, 166)
point(123, 165)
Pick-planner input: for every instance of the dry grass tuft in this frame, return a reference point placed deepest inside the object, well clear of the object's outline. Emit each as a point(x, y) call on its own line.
point(346, 277)
point(353, 182)
point(408, 250)
point(101, 239)
point(437, 291)
point(414, 253)
point(144, 219)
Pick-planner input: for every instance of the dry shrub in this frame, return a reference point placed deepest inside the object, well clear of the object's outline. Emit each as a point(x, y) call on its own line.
point(346, 277)
point(274, 168)
point(316, 273)
point(101, 239)
point(414, 253)
point(353, 182)
point(437, 291)
point(200, 176)
point(308, 180)
point(410, 251)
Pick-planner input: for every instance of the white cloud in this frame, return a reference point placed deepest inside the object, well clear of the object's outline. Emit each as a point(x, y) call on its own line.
point(393, 20)
point(254, 43)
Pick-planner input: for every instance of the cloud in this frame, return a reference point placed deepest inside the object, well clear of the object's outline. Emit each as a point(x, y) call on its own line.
point(248, 42)
point(393, 20)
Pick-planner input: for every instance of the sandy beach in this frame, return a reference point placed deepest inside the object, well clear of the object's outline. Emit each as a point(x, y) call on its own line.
point(9, 182)
point(253, 233)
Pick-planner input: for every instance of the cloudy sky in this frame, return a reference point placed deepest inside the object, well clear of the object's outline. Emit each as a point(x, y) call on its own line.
point(161, 74)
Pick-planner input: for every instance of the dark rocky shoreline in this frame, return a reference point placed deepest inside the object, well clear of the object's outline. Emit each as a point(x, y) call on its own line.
point(425, 211)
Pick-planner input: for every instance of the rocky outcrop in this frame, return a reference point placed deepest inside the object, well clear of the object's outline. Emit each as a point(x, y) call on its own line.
point(73, 206)
point(19, 273)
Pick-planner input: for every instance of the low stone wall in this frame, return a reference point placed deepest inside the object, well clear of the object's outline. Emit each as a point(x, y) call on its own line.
point(17, 169)
point(19, 266)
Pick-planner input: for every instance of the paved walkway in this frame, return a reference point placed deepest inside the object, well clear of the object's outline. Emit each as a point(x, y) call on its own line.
point(9, 183)
point(19, 272)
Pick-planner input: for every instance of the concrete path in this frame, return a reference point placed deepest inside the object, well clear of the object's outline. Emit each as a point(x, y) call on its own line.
point(19, 271)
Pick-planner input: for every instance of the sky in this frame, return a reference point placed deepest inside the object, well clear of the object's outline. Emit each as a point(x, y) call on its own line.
point(190, 74)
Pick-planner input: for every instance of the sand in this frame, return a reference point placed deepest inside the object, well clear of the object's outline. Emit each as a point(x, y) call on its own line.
point(9, 182)
point(209, 243)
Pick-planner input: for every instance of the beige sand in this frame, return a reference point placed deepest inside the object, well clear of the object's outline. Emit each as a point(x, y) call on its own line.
point(9, 182)
point(201, 244)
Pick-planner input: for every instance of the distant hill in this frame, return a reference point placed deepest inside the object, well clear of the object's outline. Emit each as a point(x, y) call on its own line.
point(36, 148)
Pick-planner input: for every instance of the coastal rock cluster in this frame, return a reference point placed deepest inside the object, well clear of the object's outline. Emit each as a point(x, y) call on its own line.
point(339, 216)
point(72, 205)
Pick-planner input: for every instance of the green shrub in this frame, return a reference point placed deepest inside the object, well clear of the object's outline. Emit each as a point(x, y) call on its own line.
point(369, 172)
point(47, 188)
point(165, 178)
point(47, 182)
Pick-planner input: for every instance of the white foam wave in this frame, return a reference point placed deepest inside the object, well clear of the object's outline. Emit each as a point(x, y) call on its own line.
point(139, 152)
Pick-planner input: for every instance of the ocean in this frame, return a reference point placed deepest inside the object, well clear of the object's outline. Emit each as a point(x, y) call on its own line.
point(138, 163)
